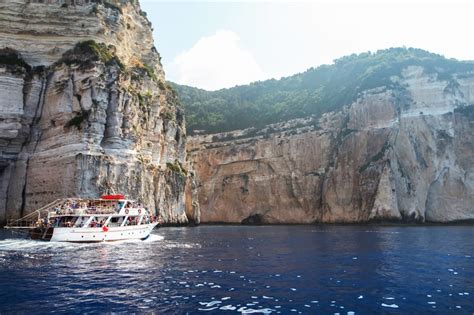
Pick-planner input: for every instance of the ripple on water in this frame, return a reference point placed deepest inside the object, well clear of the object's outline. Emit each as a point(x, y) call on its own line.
point(173, 273)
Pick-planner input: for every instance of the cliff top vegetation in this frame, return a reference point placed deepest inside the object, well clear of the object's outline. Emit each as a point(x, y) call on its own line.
point(313, 92)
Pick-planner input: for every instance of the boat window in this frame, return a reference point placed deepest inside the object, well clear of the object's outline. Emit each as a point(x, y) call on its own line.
point(116, 221)
point(68, 221)
point(132, 220)
point(98, 221)
point(101, 221)
point(81, 221)
point(94, 222)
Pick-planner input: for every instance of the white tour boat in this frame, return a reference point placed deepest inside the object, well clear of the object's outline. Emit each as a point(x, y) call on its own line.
point(110, 218)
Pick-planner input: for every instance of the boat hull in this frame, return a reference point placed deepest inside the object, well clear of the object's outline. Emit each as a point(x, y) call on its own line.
point(43, 234)
point(91, 235)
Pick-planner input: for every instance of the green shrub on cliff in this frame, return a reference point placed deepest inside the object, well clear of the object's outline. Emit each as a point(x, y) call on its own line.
point(145, 99)
point(12, 59)
point(77, 120)
point(100, 50)
point(89, 50)
point(177, 167)
point(314, 92)
point(149, 71)
point(167, 114)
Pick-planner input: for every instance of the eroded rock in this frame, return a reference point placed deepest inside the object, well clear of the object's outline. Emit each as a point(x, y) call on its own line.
point(87, 110)
point(400, 153)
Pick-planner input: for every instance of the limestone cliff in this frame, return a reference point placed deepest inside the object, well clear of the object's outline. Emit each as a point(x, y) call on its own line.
point(399, 152)
point(85, 110)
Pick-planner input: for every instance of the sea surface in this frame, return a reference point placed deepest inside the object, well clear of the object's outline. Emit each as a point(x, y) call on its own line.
point(242, 269)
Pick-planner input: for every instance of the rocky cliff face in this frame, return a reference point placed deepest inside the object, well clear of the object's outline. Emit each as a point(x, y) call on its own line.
point(400, 153)
point(85, 110)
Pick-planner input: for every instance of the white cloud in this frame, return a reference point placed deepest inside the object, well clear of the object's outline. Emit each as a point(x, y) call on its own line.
point(214, 62)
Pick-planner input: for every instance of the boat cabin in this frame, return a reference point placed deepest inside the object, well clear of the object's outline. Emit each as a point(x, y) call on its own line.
point(110, 210)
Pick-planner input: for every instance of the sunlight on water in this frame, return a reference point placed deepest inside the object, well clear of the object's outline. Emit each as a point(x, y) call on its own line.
point(152, 238)
point(215, 269)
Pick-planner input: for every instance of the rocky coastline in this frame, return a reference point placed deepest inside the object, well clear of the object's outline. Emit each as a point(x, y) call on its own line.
point(400, 155)
point(85, 110)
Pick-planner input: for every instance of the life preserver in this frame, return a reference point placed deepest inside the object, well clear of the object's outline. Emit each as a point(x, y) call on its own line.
point(126, 211)
point(139, 211)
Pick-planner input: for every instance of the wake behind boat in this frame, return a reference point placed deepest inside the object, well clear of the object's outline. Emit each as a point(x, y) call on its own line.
point(110, 218)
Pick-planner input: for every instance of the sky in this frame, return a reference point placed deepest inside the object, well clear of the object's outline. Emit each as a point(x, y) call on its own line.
point(214, 45)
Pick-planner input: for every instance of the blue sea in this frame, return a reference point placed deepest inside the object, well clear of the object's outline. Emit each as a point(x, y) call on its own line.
point(243, 269)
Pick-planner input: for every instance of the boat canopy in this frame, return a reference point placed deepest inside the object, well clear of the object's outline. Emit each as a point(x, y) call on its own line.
point(113, 197)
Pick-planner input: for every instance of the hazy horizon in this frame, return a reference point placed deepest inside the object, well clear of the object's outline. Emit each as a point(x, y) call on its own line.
point(213, 45)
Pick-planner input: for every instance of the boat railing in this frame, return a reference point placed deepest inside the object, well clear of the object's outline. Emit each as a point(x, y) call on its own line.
point(32, 219)
point(20, 223)
point(83, 211)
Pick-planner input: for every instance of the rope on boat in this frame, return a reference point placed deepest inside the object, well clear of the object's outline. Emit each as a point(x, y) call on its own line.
point(29, 217)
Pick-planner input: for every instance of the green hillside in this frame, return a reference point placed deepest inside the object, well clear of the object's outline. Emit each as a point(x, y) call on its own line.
point(314, 92)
